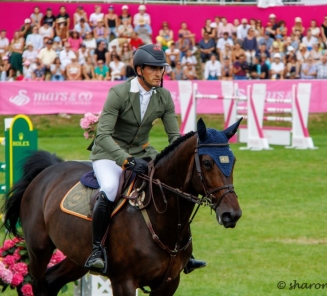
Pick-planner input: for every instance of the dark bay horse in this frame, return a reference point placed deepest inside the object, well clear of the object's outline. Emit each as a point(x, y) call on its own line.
point(135, 256)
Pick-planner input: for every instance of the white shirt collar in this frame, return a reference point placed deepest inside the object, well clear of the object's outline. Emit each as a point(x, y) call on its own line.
point(142, 90)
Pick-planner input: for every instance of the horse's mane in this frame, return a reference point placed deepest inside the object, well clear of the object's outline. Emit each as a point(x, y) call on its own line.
point(173, 146)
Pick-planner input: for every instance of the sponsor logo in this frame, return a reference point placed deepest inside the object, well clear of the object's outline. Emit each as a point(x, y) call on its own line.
point(21, 99)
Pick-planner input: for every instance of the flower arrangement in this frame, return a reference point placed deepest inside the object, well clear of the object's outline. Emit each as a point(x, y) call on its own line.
point(89, 124)
point(14, 266)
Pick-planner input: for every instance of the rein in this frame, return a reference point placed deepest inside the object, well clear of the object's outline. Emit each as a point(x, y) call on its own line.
point(206, 199)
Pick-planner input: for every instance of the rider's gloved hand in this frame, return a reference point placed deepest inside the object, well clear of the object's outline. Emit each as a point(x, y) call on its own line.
point(137, 165)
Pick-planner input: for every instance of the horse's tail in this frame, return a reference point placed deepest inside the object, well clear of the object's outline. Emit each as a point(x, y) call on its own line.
point(32, 166)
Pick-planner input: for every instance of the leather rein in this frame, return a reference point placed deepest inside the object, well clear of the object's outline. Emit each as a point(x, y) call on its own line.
point(206, 200)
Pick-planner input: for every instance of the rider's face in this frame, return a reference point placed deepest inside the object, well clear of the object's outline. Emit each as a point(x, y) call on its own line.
point(152, 74)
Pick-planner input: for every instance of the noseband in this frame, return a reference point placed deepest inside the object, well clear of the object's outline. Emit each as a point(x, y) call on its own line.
point(209, 194)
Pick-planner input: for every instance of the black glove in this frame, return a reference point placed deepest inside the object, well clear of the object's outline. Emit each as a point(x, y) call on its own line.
point(138, 165)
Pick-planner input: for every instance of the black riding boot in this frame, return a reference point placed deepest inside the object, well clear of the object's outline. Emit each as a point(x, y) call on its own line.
point(101, 217)
point(193, 264)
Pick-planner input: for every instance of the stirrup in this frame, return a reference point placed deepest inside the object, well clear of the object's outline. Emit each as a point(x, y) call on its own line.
point(98, 266)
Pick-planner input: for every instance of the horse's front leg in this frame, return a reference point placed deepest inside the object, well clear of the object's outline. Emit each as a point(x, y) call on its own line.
point(169, 289)
point(123, 287)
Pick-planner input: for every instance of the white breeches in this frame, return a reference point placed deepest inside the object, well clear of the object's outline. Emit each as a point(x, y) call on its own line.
point(108, 174)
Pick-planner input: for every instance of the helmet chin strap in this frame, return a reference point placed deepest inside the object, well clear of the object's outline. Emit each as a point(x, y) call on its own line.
point(149, 85)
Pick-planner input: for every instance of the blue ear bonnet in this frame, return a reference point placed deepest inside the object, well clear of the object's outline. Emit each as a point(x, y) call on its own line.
point(223, 156)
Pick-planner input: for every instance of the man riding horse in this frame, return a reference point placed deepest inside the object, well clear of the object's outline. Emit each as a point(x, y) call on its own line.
point(122, 139)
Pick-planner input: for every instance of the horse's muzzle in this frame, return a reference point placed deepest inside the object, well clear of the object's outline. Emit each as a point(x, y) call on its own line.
point(229, 219)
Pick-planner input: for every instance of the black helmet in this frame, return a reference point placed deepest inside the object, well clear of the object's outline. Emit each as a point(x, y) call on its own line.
point(151, 55)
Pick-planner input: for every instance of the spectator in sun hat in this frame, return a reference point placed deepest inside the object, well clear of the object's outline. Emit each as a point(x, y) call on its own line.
point(303, 53)
point(30, 54)
point(63, 15)
point(46, 30)
point(26, 29)
point(277, 67)
point(242, 29)
point(49, 17)
point(100, 32)
point(298, 26)
point(79, 14)
point(27, 71)
point(142, 14)
point(96, 16)
point(82, 27)
point(144, 31)
point(309, 40)
point(274, 25)
point(125, 15)
point(6, 72)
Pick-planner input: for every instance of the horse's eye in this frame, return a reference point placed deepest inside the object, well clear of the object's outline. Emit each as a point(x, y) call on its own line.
point(207, 164)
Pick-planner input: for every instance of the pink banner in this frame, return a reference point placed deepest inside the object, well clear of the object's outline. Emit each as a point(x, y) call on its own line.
point(193, 15)
point(81, 97)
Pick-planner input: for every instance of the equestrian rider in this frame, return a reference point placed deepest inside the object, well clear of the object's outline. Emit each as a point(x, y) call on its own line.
point(123, 134)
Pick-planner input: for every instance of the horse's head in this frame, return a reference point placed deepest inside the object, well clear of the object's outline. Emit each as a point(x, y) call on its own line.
point(214, 162)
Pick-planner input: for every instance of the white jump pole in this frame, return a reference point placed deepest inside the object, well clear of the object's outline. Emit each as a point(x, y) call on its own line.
point(187, 93)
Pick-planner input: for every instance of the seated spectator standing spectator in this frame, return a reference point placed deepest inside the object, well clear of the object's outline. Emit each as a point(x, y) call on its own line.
point(302, 54)
point(222, 42)
point(166, 36)
point(116, 67)
point(189, 58)
point(35, 38)
point(315, 30)
point(242, 30)
point(324, 30)
point(74, 70)
point(276, 49)
point(267, 40)
point(177, 72)
point(46, 30)
point(100, 32)
point(240, 68)
point(207, 29)
point(277, 67)
point(126, 54)
point(237, 52)
point(90, 42)
point(282, 29)
point(66, 55)
point(236, 40)
point(316, 53)
point(101, 53)
point(82, 54)
point(183, 44)
point(172, 55)
point(101, 71)
point(125, 15)
point(262, 50)
point(322, 68)
point(309, 40)
point(308, 69)
point(4, 43)
point(47, 55)
point(88, 69)
point(279, 42)
point(227, 53)
point(142, 15)
point(227, 70)
point(38, 72)
point(187, 34)
point(64, 18)
point(111, 22)
point(6, 72)
point(49, 18)
point(212, 68)
point(135, 42)
point(62, 30)
point(292, 70)
point(235, 25)
point(259, 69)
point(78, 15)
point(57, 47)
point(27, 71)
point(26, 29)
point(30, 54)
point(144, 31)
point(57, 71)
point(250, 46)
point(298, 28)
point(82, 27)
point(225, 28)
point(17, 47)
point(189, 72)
point(75, 41)
point(125, 30)
point(258, 30)
point(36, 17)
point(206, 47)
point(95, 16)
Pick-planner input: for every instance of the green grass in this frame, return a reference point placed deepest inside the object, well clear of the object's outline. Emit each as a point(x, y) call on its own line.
point(282, 233)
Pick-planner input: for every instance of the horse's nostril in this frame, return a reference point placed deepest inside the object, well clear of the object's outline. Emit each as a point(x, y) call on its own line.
point(226, 217)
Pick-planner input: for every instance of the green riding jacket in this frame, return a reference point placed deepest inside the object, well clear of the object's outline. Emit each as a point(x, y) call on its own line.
point(120, 131)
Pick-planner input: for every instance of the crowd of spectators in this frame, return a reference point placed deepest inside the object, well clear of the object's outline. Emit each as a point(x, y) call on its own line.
point(101, 46)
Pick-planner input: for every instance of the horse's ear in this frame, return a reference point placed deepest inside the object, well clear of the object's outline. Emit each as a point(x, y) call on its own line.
point(202, 130)
point(230, 131)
